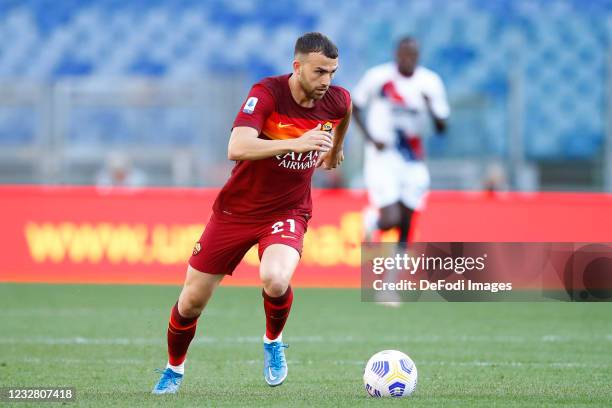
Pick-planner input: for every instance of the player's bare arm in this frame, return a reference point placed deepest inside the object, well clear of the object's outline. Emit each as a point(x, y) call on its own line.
point(357, 113)
point(439, 123)
point(335, 156)
point(244, 144)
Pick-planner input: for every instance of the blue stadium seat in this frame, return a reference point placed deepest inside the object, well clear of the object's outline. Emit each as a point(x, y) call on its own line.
point(17, 127)
point(476, 45)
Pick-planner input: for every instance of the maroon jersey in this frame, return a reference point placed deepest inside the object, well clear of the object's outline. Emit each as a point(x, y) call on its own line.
point(281, 184)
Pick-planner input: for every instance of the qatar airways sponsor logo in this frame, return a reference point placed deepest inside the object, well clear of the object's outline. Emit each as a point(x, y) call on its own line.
point(297, 161)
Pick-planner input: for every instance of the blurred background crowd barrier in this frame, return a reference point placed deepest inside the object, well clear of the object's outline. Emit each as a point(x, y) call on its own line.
point(144, 92)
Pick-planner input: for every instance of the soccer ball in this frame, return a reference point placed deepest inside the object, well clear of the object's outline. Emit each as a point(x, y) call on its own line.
point(390, 373)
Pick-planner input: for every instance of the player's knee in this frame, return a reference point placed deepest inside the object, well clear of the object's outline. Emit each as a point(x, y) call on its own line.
point(389, 221)
point(390, 217)
point(276, 288)
point(190, 305)
point(275, 280)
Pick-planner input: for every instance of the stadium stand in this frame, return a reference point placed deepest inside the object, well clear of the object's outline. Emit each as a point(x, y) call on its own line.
point(537, 65)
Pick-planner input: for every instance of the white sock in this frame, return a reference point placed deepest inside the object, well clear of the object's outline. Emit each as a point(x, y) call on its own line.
point(179, 369)
point(268, 341)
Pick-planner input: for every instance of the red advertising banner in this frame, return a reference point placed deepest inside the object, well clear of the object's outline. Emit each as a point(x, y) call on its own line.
point(91, 235)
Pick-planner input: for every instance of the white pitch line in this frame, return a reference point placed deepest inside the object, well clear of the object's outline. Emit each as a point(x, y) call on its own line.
point(533, 364)
point(88, 312)
point(426, 363)
point(51, 341)
point(63, 360)
point(154, 341)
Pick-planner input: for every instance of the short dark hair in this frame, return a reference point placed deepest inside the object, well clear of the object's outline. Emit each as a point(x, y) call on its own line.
point(316, 42)
point(408, 39)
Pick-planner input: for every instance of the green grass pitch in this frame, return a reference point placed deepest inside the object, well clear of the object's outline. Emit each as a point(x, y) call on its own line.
point(107, 340)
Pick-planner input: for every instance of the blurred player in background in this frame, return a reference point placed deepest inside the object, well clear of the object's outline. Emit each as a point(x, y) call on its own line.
point(288, 126)
point(398, 100)
point(118, 171)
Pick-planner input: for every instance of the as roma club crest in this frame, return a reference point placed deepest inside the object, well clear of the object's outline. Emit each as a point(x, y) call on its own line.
point(327, 127)
point(197, 248)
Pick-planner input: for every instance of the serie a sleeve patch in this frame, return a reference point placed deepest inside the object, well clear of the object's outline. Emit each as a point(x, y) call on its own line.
point(249, 106)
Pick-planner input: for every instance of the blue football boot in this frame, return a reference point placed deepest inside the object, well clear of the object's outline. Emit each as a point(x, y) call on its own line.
point(275, 364)
point(169, 382)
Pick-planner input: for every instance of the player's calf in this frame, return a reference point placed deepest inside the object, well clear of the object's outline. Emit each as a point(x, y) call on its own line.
point(182, 324)
point(277, 267)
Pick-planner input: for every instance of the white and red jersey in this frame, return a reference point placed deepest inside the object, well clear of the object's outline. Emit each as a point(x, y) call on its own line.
point(397, 114)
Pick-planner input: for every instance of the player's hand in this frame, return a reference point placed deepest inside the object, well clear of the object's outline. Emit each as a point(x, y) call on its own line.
point(330, 160)
point(314, 139)
point(379, 145)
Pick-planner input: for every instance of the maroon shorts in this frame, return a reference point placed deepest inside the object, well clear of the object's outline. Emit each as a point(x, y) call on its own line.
point(226, 240)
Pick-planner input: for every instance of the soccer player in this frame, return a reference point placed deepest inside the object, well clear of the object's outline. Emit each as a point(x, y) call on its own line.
point(400, 97)
point(288, 126)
